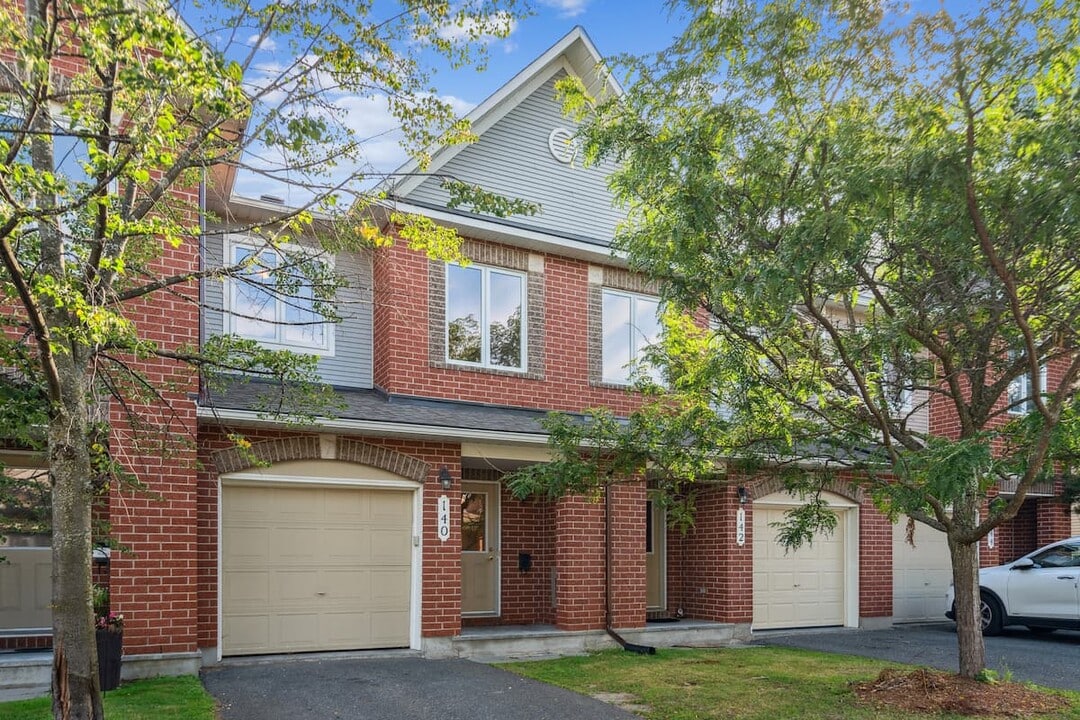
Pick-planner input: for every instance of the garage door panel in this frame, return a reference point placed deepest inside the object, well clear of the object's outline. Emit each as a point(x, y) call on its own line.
point(247, 632)
point(322, 578)
point(387, 548)
point(249, 546)
point(389, 508)
point(388, 585)
point(389, 625)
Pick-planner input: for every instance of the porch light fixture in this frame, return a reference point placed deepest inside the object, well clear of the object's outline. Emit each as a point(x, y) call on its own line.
point(741, 491)
point(445, 478)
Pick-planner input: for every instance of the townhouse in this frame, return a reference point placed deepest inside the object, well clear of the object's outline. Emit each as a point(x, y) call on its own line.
point(388, 526)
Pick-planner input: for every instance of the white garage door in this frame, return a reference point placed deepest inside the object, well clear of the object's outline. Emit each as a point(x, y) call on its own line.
point(921, 574)
point(802, 588)
point(1075, 524)
point(26, 588)
point(315, 568)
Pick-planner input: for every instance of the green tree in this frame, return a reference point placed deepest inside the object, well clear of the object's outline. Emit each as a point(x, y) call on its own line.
point(111, 115)
point(878, 212)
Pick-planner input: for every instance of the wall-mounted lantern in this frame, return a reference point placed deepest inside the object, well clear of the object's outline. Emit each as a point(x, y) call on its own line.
point(446, 480)
point(743, 495)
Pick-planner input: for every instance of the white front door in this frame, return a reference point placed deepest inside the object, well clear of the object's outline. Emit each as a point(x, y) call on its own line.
point(480, 548)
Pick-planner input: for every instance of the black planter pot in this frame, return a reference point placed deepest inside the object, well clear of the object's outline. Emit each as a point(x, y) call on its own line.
point(110, 647)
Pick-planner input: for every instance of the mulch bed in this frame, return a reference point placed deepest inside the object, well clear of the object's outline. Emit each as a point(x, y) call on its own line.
point(931, 691)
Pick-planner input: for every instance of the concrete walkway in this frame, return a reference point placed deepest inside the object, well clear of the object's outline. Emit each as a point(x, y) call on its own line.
point(1049, 660)
point(394, 688)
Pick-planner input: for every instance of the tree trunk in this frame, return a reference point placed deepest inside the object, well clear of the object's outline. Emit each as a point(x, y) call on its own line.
point(76, 695)
point(965, 569)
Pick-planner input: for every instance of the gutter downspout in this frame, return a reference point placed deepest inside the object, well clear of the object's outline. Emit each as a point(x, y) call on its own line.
point(608, 614)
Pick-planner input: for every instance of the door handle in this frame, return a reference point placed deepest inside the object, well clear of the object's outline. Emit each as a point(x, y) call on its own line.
point(1066, 577)
point(490, 558)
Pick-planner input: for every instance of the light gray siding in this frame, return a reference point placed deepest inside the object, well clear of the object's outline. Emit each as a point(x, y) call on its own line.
point(350, 365)
point(512, 158)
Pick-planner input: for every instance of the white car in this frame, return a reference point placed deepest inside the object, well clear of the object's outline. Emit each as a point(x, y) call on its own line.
point(1040, 590)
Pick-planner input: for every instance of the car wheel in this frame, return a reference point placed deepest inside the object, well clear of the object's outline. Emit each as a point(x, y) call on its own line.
point(1041, 629)
point(992, 615)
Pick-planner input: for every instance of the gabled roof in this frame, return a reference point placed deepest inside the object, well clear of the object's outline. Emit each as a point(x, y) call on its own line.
point(516, 154)
point(574, 52)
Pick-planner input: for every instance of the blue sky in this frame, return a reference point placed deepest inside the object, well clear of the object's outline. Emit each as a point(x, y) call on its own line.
point(615, 26)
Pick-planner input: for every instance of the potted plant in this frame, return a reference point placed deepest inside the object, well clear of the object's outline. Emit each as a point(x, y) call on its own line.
point(110, 639)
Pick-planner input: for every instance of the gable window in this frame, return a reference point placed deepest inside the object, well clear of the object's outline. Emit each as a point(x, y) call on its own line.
point(261, 310)
point(631, 323)
point(1021, 393)
point(485, 324)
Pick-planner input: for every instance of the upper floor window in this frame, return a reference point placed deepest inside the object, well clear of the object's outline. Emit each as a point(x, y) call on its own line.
point(631, 323)
point(1021, 394)
point(485, 323)
point(275, 304)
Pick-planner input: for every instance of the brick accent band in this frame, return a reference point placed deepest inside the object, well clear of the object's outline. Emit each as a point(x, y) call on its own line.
point(771, 484)
point(307, 447)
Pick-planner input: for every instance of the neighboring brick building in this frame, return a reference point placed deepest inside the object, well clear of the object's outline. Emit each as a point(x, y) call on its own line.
point(388, 525)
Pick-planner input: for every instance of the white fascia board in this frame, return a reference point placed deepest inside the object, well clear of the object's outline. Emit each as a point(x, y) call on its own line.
point(483, 229)
point(376, 427)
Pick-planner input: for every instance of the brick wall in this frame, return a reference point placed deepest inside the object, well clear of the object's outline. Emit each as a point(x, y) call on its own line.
point(579, 563)
point(628, 555)
point(709, 576)
point(153, 582)
point(1053, 521)
point(403, 361)
point(875, 562)
point(1017, 537)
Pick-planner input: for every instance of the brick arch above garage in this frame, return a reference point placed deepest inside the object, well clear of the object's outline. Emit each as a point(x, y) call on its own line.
point(314, 447)
point(762, 486)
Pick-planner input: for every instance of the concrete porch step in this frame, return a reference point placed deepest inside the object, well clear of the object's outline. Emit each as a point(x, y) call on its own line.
point(499, 643)
point(25, 674)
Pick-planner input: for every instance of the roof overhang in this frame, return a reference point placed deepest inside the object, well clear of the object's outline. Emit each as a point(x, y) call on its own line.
point(249, 418)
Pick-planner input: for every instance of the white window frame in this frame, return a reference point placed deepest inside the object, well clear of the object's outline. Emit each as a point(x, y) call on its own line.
point(485, 330)
point(1020, 396)
point(232, 242)
point(637, 348)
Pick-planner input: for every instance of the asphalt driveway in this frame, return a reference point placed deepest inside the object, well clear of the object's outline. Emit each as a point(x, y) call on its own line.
point(1049, 660)
point(395, 688)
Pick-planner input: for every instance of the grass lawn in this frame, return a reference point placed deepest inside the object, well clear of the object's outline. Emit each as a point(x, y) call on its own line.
point(752, 682)
point(171, 698)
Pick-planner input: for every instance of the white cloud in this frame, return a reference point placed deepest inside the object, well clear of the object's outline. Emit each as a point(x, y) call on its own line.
point(567, 8)
point(267, 43)
point(369, 120)
point(464, 31)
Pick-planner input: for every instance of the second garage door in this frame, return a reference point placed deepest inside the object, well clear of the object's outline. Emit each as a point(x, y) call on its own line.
point(315, 568)
point(801, 588)
point(921, 574)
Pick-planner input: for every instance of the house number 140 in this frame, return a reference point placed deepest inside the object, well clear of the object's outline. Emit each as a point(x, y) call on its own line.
point(444, 518)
